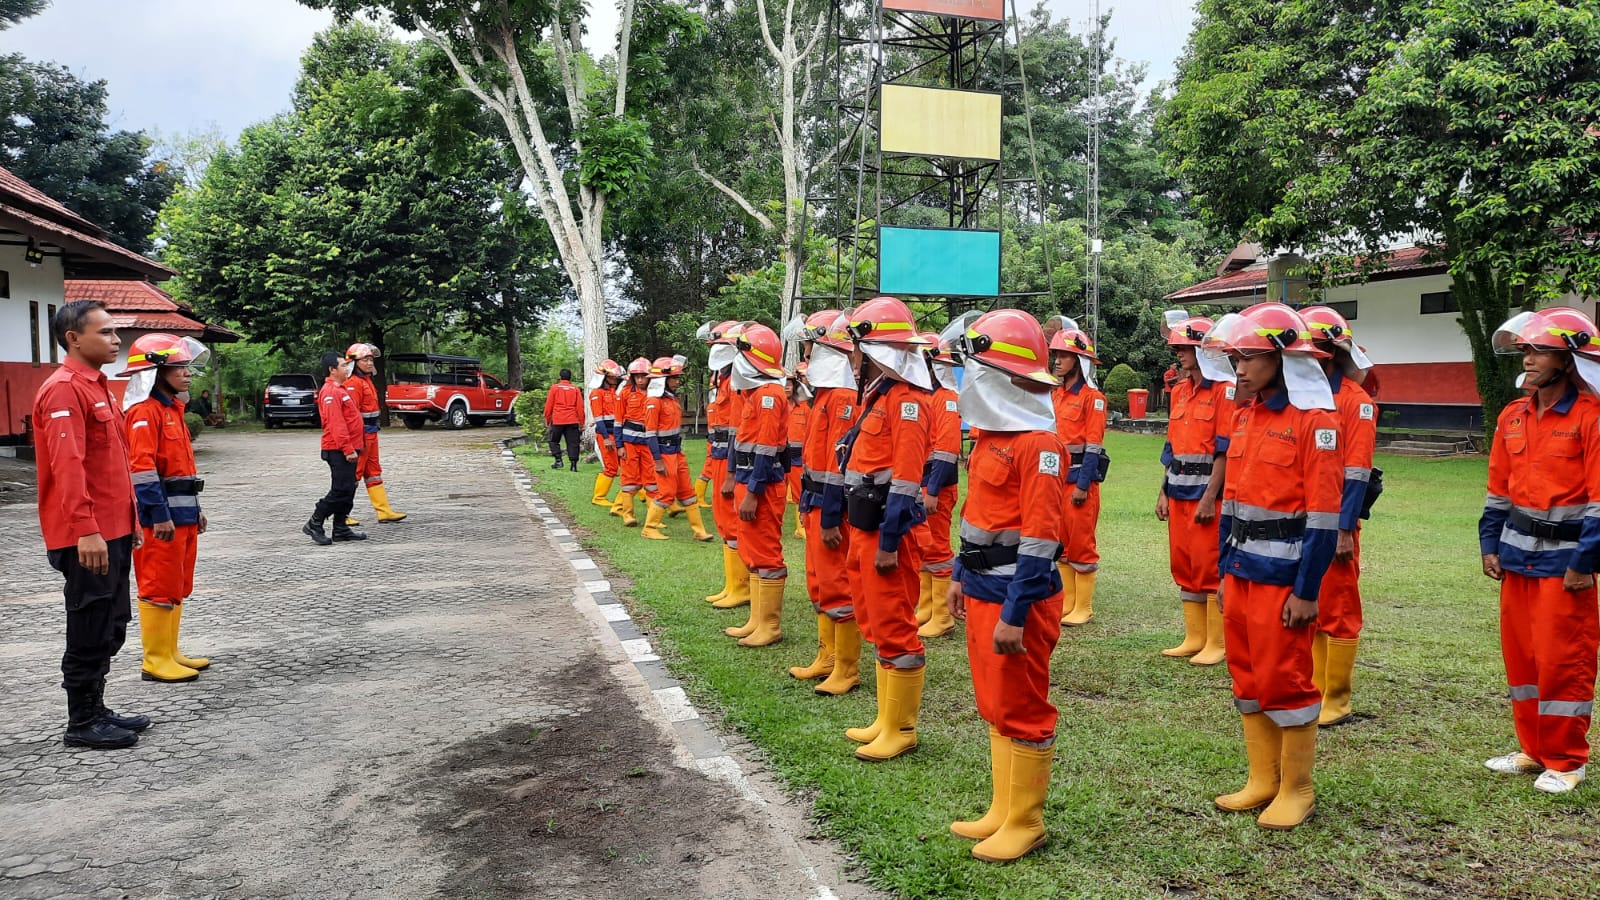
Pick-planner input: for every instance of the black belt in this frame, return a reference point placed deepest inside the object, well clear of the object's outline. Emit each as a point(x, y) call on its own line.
point(183, 485)
point(979, 557)
point(809, 485)
point(1269, 530)
point(744, 459)
point(1545, 530)
point(1190, 468)
point(672, 444)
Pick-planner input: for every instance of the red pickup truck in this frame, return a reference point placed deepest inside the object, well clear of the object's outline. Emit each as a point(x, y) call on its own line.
point(428, 387)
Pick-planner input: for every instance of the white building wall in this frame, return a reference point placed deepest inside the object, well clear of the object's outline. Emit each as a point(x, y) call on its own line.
point(43, 285)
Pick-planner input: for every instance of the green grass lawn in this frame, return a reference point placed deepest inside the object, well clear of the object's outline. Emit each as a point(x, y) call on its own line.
point(1405, 807)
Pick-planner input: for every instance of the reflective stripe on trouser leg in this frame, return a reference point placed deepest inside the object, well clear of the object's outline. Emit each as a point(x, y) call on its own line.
point(1270, 664)
point(938, 554)
point(1013, 689)
point(723, 513)
point(1082, 550)
point(683, 482)
point(1549, 638)
point(164, 570)
point(608, 456)
point(761, 540)
point(811, 521)
point(886, 605)
point(834, 598)
point(1339, 603)
point(369, 466)
point(1192, 548)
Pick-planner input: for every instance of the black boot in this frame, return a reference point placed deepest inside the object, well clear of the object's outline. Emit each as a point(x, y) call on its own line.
point(343, 532)
point(313, 527)
point(574, 465)
point(85, 728)
point(556, 464)
point(134, 723)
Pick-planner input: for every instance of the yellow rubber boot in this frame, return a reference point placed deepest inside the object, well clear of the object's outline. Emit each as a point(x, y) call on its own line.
point(899, 732)
point(196, 663)
point(799, 522)
point(1069, 589)
point(1194, 630)
point(822, 666)
point(352, 521)
point(738, 582)
point(1297, 798)
point(157, 631)
point(653, 513)
point(697, 524)
point(1319, 662)
point(1023, 831)
point(1083, 596)
point(701, 488)
point(379, 495)
point(756, 598)
point(727, 576)
point(1263, 746)
point(870, 733)
point(846, 674)
point(925, 600)
point(625, 500)
point(940, 623)
point(602, 487)
point(1000, 775)
point(1216, 648)
point(769, 627)
point(1341, 662)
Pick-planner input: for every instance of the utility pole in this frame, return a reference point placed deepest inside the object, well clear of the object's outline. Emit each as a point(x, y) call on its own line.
point(1092, 270)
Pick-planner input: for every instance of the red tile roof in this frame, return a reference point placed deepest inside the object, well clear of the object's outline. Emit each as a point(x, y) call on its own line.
point(27, 210)
point(141, 305)
point(1246, 284)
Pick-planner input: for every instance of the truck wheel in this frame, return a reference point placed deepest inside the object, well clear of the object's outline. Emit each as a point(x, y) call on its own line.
point(457, 417)
point(414, 423)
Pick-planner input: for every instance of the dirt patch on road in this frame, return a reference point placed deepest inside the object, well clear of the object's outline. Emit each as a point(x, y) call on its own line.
point(589, 806)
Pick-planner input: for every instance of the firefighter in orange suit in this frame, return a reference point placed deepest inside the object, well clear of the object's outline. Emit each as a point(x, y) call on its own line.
point(799, 419)
point(663, 424)
point(1196, 460)
point(883, 463)
point(1339, 610)
point(705, 484)
point(760, 467)
point(1540, 537)
point(940, 494)
point(368, 467)
point(167, 491)
point(603, 412)
point(638, 470)
point(1280, 518)
point(833, 412)
point(722, 415)
point(1081, 422)
point(1006, 585)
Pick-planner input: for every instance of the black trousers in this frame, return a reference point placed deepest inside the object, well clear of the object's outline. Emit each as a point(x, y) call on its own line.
point(571, 434)
point(99, 608)
point(341, 494)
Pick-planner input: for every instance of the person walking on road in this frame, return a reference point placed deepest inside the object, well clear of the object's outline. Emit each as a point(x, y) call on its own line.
point(341, 448)
point(563, 419)
point(86, 513)
point(369, 468)
point(167, 489)
point(603, 413)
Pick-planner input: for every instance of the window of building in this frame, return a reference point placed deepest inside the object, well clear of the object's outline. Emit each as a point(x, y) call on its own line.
point(5, 285)
point(33, 320)
point(1439, 302)
point(55, 348)
point(1346, 308)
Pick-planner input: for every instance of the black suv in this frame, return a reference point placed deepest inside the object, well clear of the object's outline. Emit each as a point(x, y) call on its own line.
point(290, 398)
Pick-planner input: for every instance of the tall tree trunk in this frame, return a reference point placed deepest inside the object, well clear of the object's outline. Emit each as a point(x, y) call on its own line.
point(1486, 301)
point(380, 377)
point(513, 341)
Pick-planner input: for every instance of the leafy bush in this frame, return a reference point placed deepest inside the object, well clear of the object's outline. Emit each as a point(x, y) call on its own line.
point(529, 410)
point(195, 423)
point(1118, 383)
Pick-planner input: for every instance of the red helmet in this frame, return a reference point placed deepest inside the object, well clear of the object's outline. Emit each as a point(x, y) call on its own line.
point(361, 351)
point(837, 335)
point(611, 368)
point(884, 320)
point(666, 366)
point(1075, 341)
point(720, 333)
point(1556, 328)
point(810, 328)
point(1327, 325)
point(640, 366)
point(936, 350)
point(1183, 330)
point(152, 350)
point(1009, 340)
point(760, 345)
point(1263, 328)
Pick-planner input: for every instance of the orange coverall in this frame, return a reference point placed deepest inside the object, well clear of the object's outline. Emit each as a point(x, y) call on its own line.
point(158, 449)
point(799, 424)
point(833, 413)
point(603, 412)
point(722, 508)
point(638, 470)
point(941, 478)
point(1081, 423)
point(761, 455)
point(368, 468)
point(1202, 420)
point(663, 428)
point(1339, 611)
point(1540, 517)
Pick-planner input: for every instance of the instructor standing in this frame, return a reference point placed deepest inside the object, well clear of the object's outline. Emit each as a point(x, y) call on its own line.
point(87, 515)
point(342, 438)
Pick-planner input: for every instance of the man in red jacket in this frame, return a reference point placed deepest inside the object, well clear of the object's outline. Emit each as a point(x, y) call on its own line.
point(563, 418)
point(87, 514)
point(342, 438)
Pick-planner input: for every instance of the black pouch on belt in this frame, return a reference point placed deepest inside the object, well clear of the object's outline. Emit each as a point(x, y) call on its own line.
point(864, 505)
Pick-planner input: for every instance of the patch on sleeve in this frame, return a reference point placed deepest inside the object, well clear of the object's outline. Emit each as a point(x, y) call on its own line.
point(1367, 411)
point(909, 412)
point(1327, 439)
point(768, 402)
point(61, 414)
point(846, 411)
point(1228, 392)
point(950, 406)
point(1099, 405)
point(1050, 463)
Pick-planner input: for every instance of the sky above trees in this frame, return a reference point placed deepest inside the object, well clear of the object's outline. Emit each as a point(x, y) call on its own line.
point(182, 66)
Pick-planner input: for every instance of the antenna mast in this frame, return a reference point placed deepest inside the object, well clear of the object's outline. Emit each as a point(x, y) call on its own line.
point(1092, 282)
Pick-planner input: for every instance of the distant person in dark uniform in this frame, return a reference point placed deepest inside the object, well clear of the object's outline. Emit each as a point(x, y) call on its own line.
point(342, 439)
point(563, 419)
point(86, 512)
point(201, 406)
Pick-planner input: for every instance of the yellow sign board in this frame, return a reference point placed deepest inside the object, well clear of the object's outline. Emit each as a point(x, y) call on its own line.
point(926, 121)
